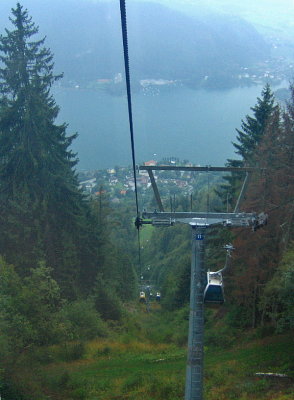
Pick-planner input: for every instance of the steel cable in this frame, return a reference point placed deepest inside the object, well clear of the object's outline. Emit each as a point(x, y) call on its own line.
point(129, 98)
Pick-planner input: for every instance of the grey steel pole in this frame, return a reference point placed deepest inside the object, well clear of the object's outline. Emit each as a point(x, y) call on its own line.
point(194, 372)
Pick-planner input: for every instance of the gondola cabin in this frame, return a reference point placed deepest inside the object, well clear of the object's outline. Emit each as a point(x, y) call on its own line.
point(142, 297)
point(214, 290)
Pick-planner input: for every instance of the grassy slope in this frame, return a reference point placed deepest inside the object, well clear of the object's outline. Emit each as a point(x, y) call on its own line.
point(139, 368)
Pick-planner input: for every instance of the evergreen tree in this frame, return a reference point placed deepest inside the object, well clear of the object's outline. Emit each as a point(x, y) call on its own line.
point(255, 260)
point(34, 151)
point(258, 257)
point(36, 168)
point(248, 138)
point(253, 127)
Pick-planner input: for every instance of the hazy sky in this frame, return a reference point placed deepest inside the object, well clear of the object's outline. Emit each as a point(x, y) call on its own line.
point(159, 114)
point(269, 12)
point(263, 13)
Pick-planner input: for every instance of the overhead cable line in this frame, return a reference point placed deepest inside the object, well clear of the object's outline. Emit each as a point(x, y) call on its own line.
point(280, 206)
point(123, 15)
point(128, 84)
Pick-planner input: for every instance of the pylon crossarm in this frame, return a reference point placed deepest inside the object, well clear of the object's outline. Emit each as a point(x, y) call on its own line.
point(155, 190)
point(241, 195)
point(199, 219)
point(207, 168)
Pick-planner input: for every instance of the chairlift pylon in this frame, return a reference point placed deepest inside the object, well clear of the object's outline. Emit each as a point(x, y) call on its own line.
point(199, 221)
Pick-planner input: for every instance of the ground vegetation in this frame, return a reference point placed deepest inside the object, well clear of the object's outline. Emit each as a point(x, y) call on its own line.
point(71, 326)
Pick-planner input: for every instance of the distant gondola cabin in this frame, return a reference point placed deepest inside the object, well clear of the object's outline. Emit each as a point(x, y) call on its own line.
point(142, 297)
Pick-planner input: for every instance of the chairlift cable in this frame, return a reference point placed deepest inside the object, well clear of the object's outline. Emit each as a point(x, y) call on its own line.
point(129, 98)
point(281, 205)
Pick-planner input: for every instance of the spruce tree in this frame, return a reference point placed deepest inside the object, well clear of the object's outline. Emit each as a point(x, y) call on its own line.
point(259, 258)
point(248, 138)
point(36, 165)
point(33, 150)
point(253, 127)
point(252, 267)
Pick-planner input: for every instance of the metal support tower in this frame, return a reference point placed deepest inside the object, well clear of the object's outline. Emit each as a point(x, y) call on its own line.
point(199, 222)
point(194, 371)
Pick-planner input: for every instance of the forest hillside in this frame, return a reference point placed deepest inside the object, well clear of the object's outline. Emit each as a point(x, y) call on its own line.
point(71, 324)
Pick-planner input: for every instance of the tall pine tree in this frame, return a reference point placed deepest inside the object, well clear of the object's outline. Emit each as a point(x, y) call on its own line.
point(253, 127)
point(259, 257)
point(248, 138)
point(43, 214)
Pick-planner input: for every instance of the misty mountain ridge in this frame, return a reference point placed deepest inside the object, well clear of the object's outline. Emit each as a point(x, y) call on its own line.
point(178, 46)
point(85, 38)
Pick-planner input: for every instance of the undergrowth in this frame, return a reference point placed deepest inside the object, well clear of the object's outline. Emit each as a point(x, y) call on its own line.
point(147, 360)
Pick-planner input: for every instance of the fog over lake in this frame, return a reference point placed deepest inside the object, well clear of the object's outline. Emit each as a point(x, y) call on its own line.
point(190, 124)
point(214, 45)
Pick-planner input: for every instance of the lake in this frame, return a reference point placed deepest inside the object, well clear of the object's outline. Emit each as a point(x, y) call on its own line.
point(189, 124)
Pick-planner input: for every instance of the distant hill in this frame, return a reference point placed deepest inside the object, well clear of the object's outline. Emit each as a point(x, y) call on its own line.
point(85, 38)
point(265, 15)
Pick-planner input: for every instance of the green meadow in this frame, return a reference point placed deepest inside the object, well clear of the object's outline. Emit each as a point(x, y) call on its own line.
point(147, 363)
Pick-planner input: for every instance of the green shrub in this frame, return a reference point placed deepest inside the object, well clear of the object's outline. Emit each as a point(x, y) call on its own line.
point(63, 380)
point(159, 334)
point(220, 337)
point(82, 320)
point(251, 387)
point(29, 310)
point(42, 355)
point(72, 351)
point(103, 352)
point(238, 317)
point(133, 382)
point(106, 302)
point(264, 331)
point(165, 389)
point(80, 393)
point(180, 338)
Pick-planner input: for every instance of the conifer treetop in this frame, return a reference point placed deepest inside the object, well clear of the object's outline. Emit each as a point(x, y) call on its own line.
point(253, 127)
point(25, 62)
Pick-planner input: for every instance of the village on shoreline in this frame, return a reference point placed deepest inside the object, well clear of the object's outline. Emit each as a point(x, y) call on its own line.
point(118, 183)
